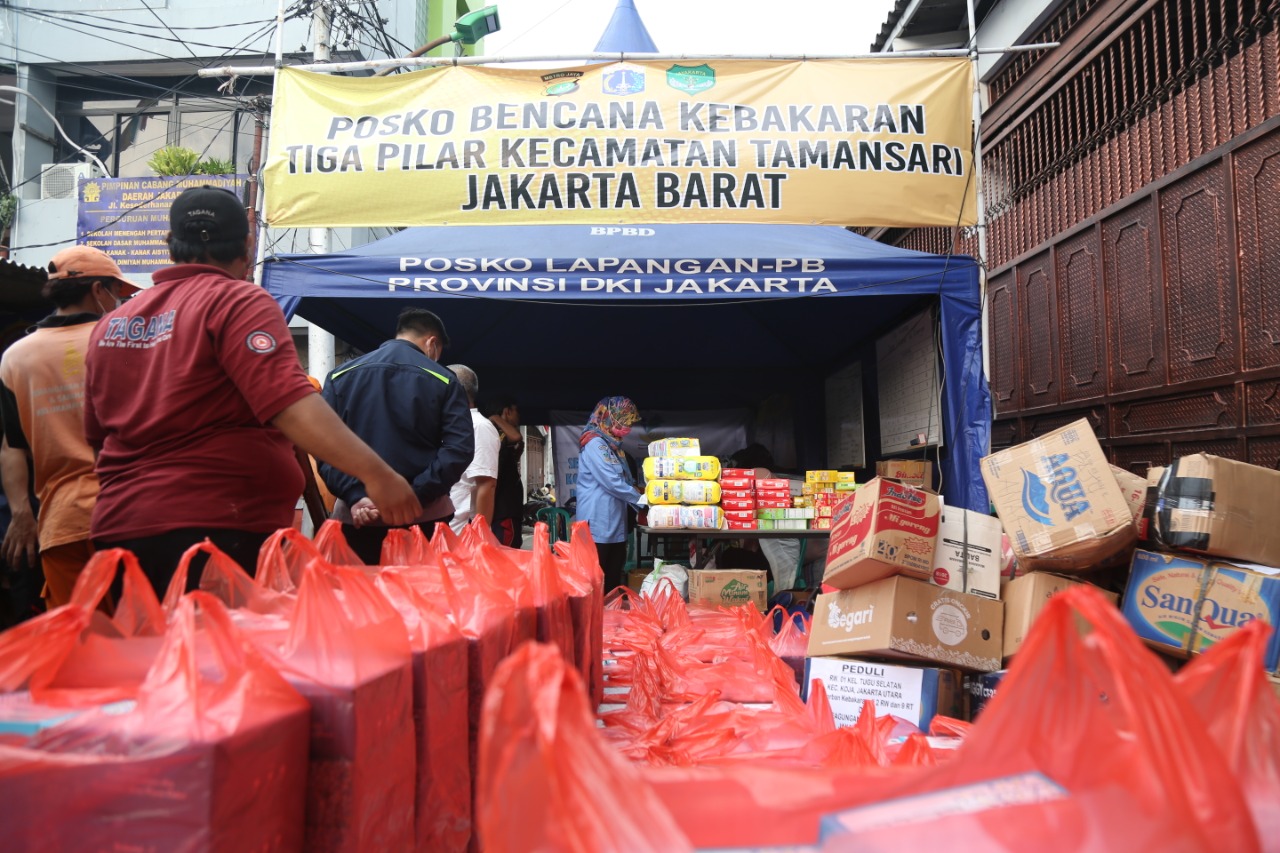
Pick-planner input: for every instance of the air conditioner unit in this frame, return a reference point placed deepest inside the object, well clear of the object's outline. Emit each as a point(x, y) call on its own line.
point(60, 180)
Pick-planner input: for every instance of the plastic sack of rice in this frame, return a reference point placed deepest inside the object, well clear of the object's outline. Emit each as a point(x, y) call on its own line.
point(703, 517)
point(675, 447)
point(682, 492)
point(682, 468)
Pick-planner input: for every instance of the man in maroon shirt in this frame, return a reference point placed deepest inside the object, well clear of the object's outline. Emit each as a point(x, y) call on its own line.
point(193, 397)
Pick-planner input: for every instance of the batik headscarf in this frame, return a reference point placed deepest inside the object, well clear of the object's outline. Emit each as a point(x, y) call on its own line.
point(611, 412)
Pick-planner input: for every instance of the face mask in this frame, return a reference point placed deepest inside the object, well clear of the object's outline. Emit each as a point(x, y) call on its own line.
point(622, 431)
point(107, 309)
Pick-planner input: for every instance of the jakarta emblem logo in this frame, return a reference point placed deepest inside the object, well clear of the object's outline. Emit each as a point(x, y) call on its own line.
point(561, 82)
point(623, 81)
point(691, 79)
point(260, 342)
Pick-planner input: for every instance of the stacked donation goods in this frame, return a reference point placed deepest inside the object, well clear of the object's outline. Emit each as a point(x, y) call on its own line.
point(681, 485)
point(702, 742)
point(1191, 547)
point(320, 705)
point(822, 490)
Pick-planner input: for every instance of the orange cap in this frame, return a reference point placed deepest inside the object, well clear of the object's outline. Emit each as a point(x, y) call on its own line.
point(88, 262)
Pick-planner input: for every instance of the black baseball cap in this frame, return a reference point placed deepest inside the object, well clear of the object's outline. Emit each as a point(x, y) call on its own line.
point(208, 213)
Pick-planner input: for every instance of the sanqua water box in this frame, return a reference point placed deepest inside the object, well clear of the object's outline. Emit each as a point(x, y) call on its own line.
point(908, 619)
point(1060, 502)
point(1182, 604)
point(884, 528)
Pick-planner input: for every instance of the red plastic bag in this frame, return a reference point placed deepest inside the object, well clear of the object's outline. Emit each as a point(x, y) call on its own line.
point(1088, 727)
point(1228, 689)
point(547, 780)
point(346, 650)
point(75, 654)
point(405, 546)
point(224, 579)
point(213, 757)
point(442, 819)
point(791, 642)
point(1087, 712)
point(333, 546)
point(585, 579)
point(283, 557)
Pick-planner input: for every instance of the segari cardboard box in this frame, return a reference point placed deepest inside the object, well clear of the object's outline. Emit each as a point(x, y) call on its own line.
point(1219, 507)
point(884, 528)
point(967, 558)
point(903, 618)
point(728, 588)
point(915, 693)
point(1134, 489)
point(1025, 597)
point(1059, 501)
point(1183, 604)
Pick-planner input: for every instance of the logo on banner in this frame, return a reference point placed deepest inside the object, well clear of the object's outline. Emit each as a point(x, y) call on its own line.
point(624, 81)
point(561, 82)
point(691, 79)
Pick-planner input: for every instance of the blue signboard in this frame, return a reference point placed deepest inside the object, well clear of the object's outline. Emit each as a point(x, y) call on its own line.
point(128, 218)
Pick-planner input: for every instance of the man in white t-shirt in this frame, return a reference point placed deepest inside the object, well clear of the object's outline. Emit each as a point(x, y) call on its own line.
point(473, 494)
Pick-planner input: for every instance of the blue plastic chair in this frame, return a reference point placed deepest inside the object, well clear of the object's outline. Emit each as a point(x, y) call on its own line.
point(557, 520)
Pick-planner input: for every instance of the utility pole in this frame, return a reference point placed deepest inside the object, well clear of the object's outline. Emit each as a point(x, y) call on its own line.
point(320, 345)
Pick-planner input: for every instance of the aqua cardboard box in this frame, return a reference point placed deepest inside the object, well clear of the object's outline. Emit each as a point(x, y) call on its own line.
point(914, 693)
point(1183, 604)
point(1059, 501)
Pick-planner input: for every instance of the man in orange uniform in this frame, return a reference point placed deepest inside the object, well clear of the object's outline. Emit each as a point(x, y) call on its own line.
point(42, 405)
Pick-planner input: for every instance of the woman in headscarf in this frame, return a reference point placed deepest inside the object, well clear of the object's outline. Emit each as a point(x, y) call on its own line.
point(606, 486)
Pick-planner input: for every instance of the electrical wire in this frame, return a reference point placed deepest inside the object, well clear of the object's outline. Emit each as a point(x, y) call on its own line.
point(143, 25)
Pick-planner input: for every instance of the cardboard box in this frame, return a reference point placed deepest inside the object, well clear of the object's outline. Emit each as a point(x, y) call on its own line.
point(1059, 501)
point(1025, 597)
point(846, 477)
point(773, 495)
point(824, 476)
point(903, 618)
point(735, 524)
point(773, 503)
point(820, 523)
point(774, 483)
point(967, 558)
point(737, 494)
point(728, 588)
point(1134, 489)
point(737, 505)
point(1183, 604)
point(792, 512)
point(1219, 507)
point(884, 528)
point(635, 579)
point(738, 473)
point(1154, 475)
point(979, 688)
point(917, 472)
point(914, 693)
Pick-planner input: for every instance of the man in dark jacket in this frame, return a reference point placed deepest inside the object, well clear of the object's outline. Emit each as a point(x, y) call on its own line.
point(414, 413)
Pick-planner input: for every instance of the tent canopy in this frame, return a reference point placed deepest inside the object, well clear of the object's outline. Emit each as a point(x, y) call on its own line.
point(678, 317)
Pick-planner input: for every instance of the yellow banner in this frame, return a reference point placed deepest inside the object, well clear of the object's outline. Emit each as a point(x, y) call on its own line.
point(826, 142)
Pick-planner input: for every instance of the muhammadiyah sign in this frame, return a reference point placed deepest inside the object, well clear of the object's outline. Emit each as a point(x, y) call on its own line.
point(823, 142)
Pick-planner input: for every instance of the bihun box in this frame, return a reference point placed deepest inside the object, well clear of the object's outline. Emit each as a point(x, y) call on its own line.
point(884, 528)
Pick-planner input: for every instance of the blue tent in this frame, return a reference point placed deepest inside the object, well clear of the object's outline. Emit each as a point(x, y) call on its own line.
point(626, 33)
point(679, 317)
